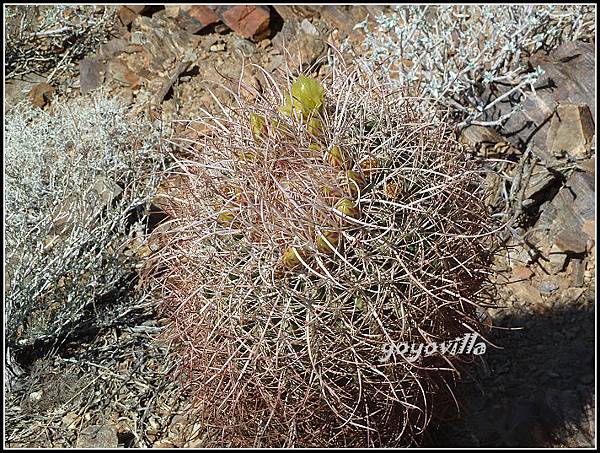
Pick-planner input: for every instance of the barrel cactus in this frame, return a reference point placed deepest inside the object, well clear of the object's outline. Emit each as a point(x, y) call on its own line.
point(311, 230)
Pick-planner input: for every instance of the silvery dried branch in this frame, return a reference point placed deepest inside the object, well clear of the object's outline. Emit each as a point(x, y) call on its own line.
point(458, 52)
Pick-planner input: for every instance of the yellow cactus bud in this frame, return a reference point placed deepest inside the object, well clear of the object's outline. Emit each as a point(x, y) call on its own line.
point(257, 125)
point(328, 241)
point(369, 167)
point(291, 257)
point(225, 217)
point(246, 155)
point(315, 126)
point(393, 190)
point(346, 207)
point(359, 303)
point(355, 182)
point(339, 157)
point(307, 97)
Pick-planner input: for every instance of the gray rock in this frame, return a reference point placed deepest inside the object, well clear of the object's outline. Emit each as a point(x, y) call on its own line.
point(540, 181)
point(308, 27)
point(577, 271)
point(104, 436)
point(548, 287)
point(568, 211)
point(91, 74)
point(304, 48)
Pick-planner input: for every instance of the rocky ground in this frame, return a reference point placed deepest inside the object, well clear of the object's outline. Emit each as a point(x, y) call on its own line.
point(115, 387)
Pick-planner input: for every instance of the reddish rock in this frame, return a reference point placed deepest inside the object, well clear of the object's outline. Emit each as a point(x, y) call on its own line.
point(343, 18)
point(526, 292)
point(336, 17)
point(123, 74)
point(138, 9)
point(205, 15)
point(196, 18)
point(250, 22)
point(589, 228)
point(126, 15)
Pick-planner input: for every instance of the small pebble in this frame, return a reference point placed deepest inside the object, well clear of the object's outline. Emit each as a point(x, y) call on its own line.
point(217, 47)
point(264, 43)
point(547, 287)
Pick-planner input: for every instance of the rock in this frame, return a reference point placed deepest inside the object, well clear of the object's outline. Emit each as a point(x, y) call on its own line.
point(36, 396)
point(570, 208)
point(576, 270)
point(308, 28)
point(250, 22)
point(589, 228)
point(41, 94)
point(525, 292)
point(244, 46)
point(304, 48)
point(112, 48)
point(540, 181)
point(571, 241)
point(91, 74)
point(274, 62)
point(15, 90)
point(311, 48)
point(138, 9)
point(122, 74)
point(340, 17)
point(70, 419)
point(265, 43)
point(570, 295)
point(217, 47)
point(173, 11)
point(521, 273)
point(571, 131)
point(98, 437)
point(164, 43)
point(127, 14)
point(475, 135)
point(569, 77)
point(294, 12)
point(583, 188)
point(547, 287)
point(556, 260)
point(197, 18)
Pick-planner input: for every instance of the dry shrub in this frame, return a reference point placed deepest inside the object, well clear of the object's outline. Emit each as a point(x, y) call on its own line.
point(74, 177)
point(283, 297)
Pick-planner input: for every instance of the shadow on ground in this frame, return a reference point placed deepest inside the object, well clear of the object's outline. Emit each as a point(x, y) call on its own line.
point(537, 391)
